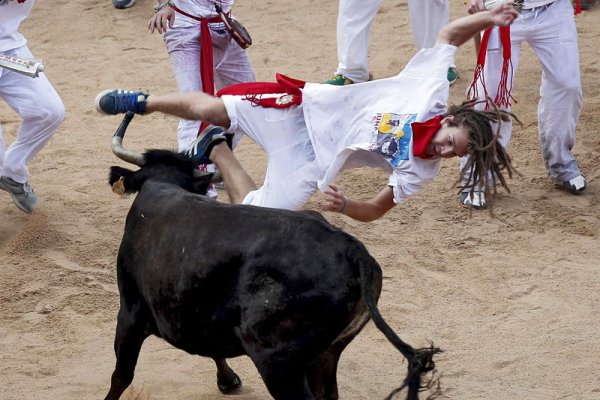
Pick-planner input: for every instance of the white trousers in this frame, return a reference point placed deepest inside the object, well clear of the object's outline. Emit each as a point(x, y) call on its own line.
point(231, 65)
point(41, 109)
point(551, 33)
point(292, 171)
point(354, 21)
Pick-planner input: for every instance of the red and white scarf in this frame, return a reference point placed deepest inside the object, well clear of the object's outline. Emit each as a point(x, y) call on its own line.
point(503, 95)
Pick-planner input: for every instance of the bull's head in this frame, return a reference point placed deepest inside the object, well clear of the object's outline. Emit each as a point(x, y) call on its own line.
point(164, 165)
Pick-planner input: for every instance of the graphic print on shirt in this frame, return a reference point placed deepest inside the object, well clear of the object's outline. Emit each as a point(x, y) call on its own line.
point(392, 135)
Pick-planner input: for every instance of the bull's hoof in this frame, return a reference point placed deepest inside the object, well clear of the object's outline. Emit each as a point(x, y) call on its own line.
point(230, 384)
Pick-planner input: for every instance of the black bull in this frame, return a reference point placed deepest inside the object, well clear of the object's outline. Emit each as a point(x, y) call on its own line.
point(285, 288)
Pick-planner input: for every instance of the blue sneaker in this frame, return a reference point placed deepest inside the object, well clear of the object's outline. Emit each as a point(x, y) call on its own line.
point(123, 3)
point(119, 101)
point(199, 150)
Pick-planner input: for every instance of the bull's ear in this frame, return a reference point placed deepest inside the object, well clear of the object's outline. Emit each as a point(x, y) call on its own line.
point(119, 186)
point(201, 183)
point(120, 180)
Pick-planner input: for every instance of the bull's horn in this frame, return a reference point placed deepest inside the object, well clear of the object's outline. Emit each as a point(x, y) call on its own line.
point(117, 144)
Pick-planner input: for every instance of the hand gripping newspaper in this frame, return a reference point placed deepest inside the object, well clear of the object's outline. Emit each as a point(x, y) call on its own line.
point(27, 66)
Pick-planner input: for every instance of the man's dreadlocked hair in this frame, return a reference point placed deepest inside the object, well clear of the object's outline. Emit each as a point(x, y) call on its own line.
point(487, 157)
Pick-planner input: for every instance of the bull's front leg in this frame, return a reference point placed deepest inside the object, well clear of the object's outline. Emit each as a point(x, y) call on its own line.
point(128, 341)
point(227, 380)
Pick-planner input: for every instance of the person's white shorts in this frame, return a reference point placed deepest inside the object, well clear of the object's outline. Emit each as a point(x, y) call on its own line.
point(292, 172)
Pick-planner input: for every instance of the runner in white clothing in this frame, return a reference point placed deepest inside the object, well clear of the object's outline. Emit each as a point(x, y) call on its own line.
point(181, 22)
point(355, 17)
point(312, 132)
point(548, 27)
point(34, 99)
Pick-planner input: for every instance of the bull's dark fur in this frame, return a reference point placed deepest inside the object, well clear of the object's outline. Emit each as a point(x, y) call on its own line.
point(286, 288)
point(164, 165)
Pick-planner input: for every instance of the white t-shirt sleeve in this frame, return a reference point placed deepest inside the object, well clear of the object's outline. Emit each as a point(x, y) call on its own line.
point(411, 177)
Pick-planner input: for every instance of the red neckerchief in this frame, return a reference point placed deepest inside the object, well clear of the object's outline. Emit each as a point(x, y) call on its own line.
point(423, 132)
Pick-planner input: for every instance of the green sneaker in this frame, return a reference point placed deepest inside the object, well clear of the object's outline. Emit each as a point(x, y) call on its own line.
point(339, 80)
point(452, 75)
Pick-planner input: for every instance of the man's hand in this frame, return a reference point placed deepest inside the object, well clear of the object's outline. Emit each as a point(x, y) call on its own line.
point(474, 6)
point(162, 20)
point(460, 30)
point(335, 199)
point(504, 15)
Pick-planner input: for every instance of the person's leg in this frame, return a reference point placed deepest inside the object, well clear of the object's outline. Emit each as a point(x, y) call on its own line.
point(232, 66)
point(183, 46)
point(555, 45)
point(42, 111)
point(353, 29)
point(291, 172)
point(195, 106)
point(492, 74)
point(427, 18)
point(238, 182)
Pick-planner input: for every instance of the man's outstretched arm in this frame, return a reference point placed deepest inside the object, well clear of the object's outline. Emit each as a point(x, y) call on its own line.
point(462, 29)
point(364, 211)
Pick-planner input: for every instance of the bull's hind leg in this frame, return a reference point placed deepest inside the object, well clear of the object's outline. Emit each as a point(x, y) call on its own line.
point(128, 341)
point(322, 373)
point(285, 382)
point(227, 380)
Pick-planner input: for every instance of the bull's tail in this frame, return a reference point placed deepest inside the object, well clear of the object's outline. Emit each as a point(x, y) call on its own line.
point(420, 361)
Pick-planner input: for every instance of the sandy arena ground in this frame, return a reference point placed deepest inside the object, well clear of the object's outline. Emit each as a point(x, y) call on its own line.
point(513, 300)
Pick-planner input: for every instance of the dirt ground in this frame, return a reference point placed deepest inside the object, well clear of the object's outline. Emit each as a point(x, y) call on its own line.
point(513, 300)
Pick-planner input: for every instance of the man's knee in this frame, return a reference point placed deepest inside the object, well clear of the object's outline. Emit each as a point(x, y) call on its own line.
point(51, 112)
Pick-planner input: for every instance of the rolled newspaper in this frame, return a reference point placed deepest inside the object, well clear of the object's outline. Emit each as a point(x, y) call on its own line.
point(27, 66)
point(489, 4)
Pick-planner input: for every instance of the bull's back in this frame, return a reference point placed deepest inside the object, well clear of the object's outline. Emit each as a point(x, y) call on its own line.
point(212, 274)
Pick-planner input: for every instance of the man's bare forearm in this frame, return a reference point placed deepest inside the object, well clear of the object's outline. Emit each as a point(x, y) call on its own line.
point(462, 29)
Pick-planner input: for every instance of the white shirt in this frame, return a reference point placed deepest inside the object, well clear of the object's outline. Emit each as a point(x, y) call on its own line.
point(12, 13)
point(349, 125)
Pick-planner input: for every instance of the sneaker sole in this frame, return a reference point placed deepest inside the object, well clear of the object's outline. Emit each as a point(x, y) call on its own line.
point(572, 191)
point(97, 101)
